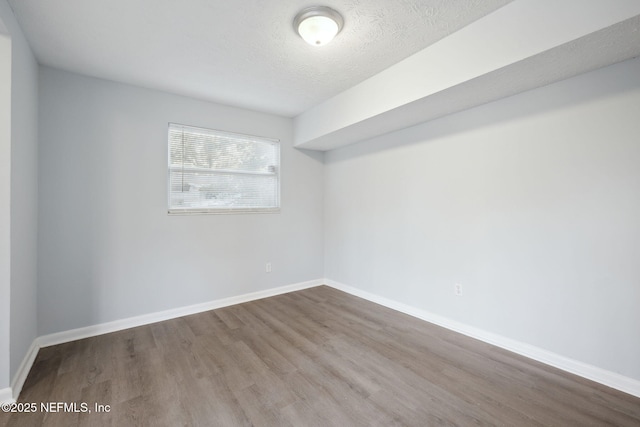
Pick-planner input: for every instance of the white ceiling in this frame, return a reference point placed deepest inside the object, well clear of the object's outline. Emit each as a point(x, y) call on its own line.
point(521, 46)
point(242, 52)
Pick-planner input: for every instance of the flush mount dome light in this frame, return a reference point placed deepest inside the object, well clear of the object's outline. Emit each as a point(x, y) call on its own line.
point(318, 25)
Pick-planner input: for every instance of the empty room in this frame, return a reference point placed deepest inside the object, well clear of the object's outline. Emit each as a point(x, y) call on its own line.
point(338, 213)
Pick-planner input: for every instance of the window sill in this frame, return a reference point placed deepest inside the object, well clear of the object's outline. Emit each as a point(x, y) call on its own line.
point(172, 212)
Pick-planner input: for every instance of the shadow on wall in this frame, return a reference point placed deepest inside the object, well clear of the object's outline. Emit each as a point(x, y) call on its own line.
point(318, 156)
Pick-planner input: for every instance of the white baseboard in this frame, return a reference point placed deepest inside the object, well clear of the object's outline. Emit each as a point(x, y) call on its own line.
point(145, 319)
point(11, 394)
point(610, 379)
point(602, 376)
point(6, 396)
point(23, 370)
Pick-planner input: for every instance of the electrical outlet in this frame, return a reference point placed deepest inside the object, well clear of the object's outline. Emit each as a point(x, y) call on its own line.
point(267, 267)
point(457, 289)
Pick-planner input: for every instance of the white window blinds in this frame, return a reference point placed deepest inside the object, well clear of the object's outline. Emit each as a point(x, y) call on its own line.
point(220, 172)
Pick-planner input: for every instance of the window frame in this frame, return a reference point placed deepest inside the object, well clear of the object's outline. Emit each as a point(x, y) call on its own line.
point(224, 210)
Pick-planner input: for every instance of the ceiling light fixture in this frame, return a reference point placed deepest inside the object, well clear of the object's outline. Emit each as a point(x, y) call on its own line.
point(318, 25)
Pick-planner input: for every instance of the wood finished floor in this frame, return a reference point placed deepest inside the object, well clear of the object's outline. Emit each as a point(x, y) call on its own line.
point(317, 357)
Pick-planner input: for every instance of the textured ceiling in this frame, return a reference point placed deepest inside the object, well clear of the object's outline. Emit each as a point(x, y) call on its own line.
point(242, 52)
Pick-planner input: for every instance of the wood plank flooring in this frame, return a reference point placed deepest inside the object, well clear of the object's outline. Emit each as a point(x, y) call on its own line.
point(317, 357)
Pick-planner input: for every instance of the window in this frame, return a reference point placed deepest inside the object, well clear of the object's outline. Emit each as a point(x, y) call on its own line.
point(220, 172)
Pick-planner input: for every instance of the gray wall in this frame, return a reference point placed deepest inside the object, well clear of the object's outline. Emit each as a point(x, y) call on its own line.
point(108, 250)
point(5, 208)
point(531, 203)
point(23, 192)
point(24, 198)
